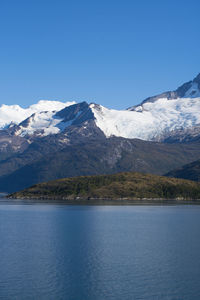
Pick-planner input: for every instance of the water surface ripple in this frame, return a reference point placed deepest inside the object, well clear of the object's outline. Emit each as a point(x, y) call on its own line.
point(99, 252)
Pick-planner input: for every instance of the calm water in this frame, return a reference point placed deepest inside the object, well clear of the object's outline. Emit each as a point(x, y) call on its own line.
point(99, 253)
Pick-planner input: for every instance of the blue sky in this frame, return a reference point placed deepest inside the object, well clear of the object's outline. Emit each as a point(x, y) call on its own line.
point(115, 53)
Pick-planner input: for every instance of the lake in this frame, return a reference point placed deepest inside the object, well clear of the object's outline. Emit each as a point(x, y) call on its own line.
point(99, 252)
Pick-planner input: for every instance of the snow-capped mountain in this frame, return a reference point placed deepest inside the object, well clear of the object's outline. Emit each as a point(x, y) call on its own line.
point(16, 114)
point(156, 118)
point(150, 121)
point(44, 123)
point(153, 121)
point(165, 117)
point(190, 89)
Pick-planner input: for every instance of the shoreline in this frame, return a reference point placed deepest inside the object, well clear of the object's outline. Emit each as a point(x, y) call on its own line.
point(100, 202)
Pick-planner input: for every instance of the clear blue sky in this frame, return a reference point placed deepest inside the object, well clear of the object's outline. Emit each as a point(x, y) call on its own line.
point(115, 53)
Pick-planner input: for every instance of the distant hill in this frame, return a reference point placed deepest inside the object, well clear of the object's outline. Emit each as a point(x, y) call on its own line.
point(190, 171)
point(117, 186)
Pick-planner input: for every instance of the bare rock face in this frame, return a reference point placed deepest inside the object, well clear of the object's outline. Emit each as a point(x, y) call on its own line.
point(197, 80)
point(11, 144)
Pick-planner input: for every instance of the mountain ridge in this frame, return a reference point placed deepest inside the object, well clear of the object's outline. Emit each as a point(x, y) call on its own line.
point(180, 92)
point(157, 118)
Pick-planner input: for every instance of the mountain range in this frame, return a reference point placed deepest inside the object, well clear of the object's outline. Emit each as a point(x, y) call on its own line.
point(52, 139)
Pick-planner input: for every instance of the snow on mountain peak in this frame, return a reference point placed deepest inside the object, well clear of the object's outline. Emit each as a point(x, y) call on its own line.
point(190, 89)
point(16, 114)
point(150, 121)
point(50, 122)
point(50, 105)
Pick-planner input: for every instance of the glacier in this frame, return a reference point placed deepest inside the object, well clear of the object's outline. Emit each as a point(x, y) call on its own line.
point(150, 121)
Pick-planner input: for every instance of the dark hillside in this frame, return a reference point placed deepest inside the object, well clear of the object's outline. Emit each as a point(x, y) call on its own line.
point(189, 171)
point(92, 157)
